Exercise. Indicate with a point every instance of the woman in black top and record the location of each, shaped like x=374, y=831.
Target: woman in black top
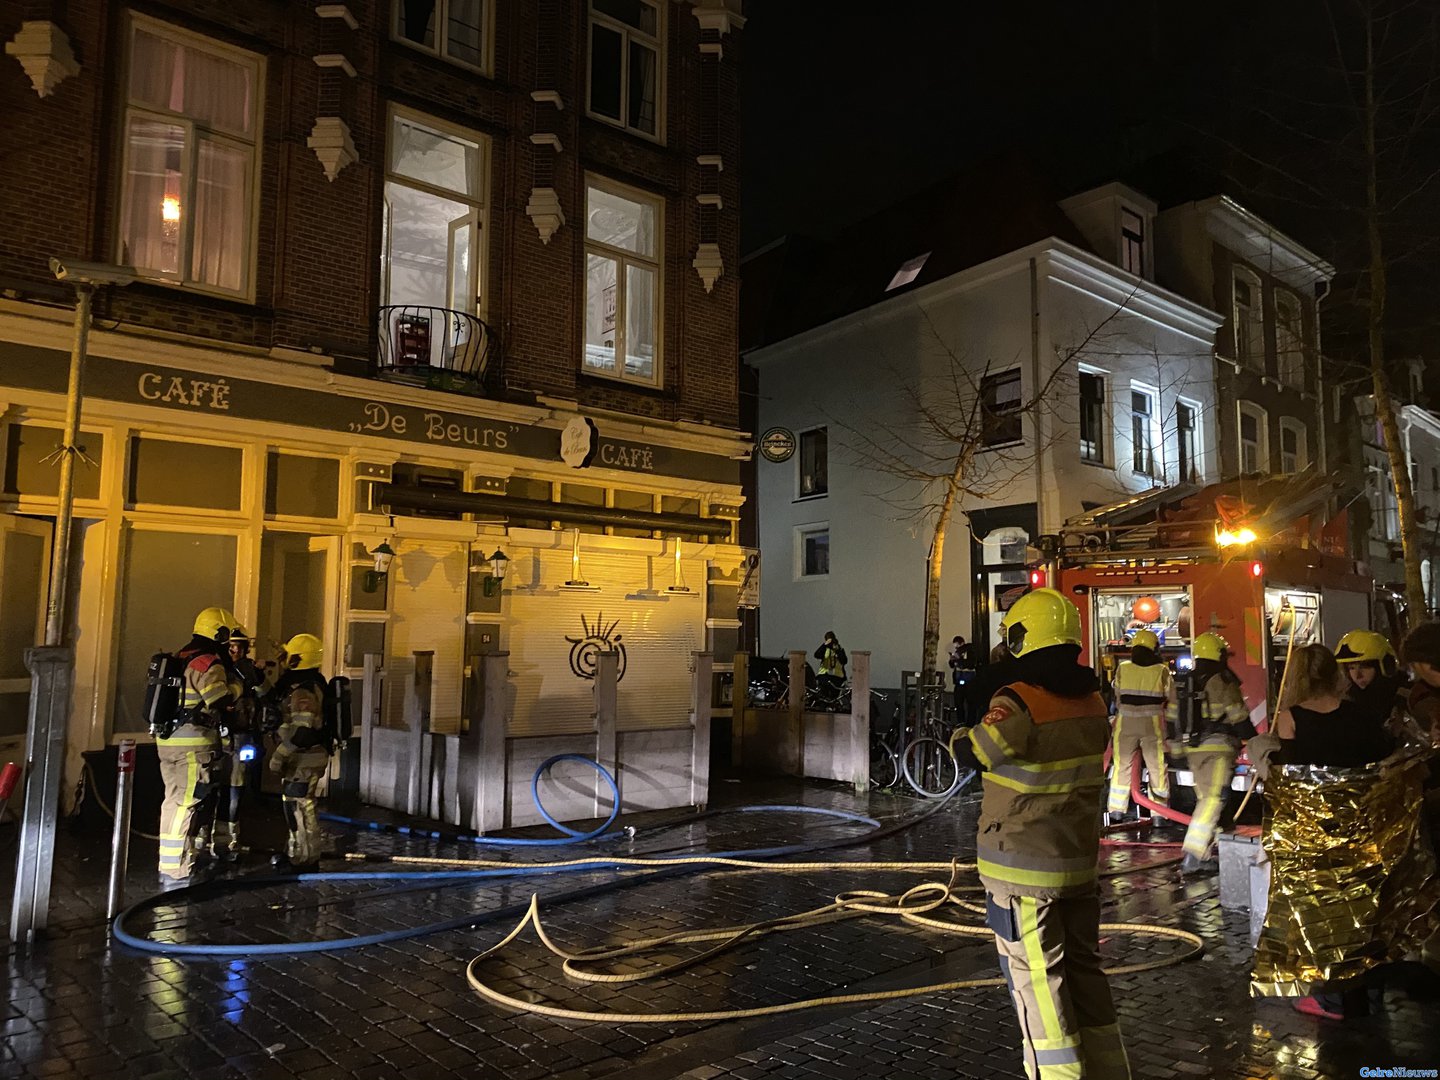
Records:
x=1322, y=728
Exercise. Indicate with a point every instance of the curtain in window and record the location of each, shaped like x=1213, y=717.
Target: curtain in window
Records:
x=221, y=214
x=207, y=88
x=151, y=211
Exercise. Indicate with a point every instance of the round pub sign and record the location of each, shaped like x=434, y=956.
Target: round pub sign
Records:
x=777, y=444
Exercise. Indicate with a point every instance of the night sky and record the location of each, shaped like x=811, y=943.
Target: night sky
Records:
x=846, y=109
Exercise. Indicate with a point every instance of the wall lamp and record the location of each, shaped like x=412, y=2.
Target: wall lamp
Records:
x=496, y=578
x=384, y=556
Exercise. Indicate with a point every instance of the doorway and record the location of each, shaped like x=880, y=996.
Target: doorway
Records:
x=24, y=579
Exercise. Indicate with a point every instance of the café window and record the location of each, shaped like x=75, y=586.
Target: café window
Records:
x=622, y=282
x=456, y=30
x=1000, y=408
x=191, y=151
x=627, y=63
x=814, y=463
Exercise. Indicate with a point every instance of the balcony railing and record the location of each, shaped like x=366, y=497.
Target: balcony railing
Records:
x=433, y=345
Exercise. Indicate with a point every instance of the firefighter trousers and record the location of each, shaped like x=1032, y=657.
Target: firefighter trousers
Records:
x=230, y=777
x=1213, y=765
x=1050, y=955
x=187, y=762
x=299, y=776
x=1146, y=735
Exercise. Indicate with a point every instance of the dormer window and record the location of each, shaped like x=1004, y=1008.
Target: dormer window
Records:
x=1132, y=242
x=908, y=272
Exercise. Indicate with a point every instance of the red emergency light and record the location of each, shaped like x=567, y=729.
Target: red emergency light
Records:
x=1257, y=569
x=1037, y=579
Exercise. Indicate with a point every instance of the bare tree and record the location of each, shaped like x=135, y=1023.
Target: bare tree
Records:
x=1351, y=145
x=963, y=440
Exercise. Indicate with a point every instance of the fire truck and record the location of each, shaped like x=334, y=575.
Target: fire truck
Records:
x=1259, y=562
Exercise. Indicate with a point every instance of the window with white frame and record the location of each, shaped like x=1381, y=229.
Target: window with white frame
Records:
x=1294, y=453
x=1187, y=440
x=1092, y=417
x=627, y=61
x=623, y=228
x=1248, y=317
x=1001, y=408
x=1143, y=416
x=1254, y=439
x=191, y=159
x=812, y=552
x=1132, y=242
x=1289, y=340
x=814, y=459
x=456, y=30
x=432, y=252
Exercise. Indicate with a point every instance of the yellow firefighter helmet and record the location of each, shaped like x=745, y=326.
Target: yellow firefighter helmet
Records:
x=217, y=624
x=1209, y=646
x=1368, y=647
x=1145, y=639
x=1038, y=620
x=303, y=652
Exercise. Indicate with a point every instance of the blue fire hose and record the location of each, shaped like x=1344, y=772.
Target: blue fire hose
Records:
x=445, y=878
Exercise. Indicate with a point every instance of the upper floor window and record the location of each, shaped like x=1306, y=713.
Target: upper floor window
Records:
x=1000, y=407
x=1132, y=242
x=1142, y=430
x=1249, y=321
x=627, y=63
x=623, y=229
x=814, y=463
x=454, y=29
x=1289, y=341
x=1254, y=439
x=191, y=156
x=1187, y=442
x=1294, y=454
x=1092, y=417
x=432, y=254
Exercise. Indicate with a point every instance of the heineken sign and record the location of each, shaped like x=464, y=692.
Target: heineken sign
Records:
x=778, y=444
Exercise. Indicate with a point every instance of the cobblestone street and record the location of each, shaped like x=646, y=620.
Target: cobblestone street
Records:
x=78, y=1005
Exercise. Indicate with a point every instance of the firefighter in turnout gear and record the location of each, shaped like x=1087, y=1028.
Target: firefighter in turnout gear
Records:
x=189, y=750
x=1218, y=722
x=1042, y=746
x=1143, y=690
x=239, y=747
x=303, y=752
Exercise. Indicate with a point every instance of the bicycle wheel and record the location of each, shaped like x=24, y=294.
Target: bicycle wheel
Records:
x=930, y=768
x=884, y=768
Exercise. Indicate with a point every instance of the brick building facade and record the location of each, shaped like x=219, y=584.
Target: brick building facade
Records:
x=381, y=247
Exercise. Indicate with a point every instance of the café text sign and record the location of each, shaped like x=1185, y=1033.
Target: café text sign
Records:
x=324, y=410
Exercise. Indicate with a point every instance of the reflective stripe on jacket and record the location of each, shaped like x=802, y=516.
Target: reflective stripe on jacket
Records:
x=1040, y=816
x=1143, y=692
x=1222, y=712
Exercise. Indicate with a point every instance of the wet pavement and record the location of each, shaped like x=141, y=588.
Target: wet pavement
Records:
x=78, y=1005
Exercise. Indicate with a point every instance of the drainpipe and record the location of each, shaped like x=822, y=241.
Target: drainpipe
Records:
x=1035, y=384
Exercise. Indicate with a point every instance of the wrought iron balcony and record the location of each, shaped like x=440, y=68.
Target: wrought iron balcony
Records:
x=434, y=346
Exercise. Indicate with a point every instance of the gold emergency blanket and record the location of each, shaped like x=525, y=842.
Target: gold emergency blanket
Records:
x=1353, y=881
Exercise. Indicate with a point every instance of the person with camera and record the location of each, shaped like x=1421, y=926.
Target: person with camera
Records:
x=833, y=659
